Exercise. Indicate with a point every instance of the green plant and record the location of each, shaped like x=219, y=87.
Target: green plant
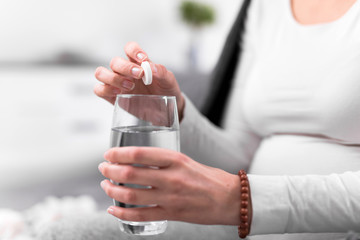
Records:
x=197, y=14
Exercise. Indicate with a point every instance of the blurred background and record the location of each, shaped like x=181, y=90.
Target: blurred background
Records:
x=53, y=130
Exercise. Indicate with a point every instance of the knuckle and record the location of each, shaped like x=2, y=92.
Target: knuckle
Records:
x=114, y=80
x=177, y=184
x=128, y=173
x=136, y=154
x=129, y=196
x=127, y=69
x=182, y=158
x=121, y=65
x=178, y=159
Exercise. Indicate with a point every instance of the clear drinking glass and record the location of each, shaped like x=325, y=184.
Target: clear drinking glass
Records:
x=144, y=120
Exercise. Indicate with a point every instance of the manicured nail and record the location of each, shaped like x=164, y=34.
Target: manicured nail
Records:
x=128, y=85
x=140, y=56
x=111, y=210
x=136, y=72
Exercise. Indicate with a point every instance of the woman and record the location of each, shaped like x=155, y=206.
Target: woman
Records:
x=292, y=119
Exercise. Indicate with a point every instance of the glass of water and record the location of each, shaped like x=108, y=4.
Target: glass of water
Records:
x=144, y=120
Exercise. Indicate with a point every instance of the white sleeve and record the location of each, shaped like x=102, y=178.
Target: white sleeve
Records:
x=309, y=203
x=228, y=149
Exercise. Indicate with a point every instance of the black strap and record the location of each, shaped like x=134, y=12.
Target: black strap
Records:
x=223, y=74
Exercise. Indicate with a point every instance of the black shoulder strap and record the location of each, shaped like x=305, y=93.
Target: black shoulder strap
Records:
x=223, y=74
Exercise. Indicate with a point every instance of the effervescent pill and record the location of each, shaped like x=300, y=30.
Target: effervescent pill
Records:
x=147, y=78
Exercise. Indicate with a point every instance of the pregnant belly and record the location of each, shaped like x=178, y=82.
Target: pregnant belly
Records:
x=297, y=154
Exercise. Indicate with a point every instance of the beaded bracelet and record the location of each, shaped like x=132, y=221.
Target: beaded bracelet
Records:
x=245, y=212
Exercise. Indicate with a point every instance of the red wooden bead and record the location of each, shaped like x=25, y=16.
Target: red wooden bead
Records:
x=243, y=226
x=243, y=177
x=244, y=189
x=244, y=183
x=243, y=233
x=244, y=218
x=244, y=211
x=244, y=196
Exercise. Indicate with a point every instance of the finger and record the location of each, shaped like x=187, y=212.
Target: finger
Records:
x=99, y=92
x=108, y=77
x=110, y=99
x=131, y=174
x=142, y=214
x=136, y=196
x=135, y=53
x=106, y=90
x=163, y=75
x=126, y=68
x=149, y=156
x=168, y=81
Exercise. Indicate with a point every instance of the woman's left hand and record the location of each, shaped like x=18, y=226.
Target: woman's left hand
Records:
x=181, y=188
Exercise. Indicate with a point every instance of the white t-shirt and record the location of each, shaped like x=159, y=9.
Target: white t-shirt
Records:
x=293, y=119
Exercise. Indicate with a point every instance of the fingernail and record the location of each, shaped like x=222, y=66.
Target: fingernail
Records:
x=100, y=167
x=111, y=210
x=102, y=184
x=140, y=56
x=136, y=72
x=128, y=85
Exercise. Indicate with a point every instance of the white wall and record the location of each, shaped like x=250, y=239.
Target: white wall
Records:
x=40, y=29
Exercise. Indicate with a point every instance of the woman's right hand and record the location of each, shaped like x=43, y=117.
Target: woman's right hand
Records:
x=126, y=75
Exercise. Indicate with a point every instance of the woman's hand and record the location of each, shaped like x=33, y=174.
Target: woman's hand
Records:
x=125, y=77
x=181, y=189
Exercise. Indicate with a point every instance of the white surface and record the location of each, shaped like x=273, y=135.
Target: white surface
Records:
x=28, y=224
x=51, y=124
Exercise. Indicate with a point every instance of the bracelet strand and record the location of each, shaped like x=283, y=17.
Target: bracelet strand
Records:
x=245, y=198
